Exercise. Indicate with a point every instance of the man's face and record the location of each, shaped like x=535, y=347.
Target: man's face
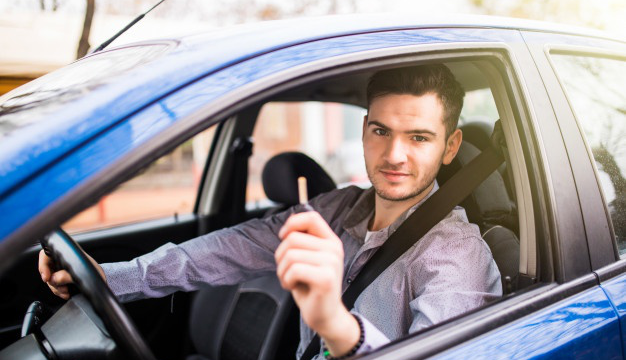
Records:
x=404, y=142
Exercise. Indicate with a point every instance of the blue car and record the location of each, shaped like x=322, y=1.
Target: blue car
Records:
x=161, y=141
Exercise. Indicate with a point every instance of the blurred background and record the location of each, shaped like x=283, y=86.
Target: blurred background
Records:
x=38, y=36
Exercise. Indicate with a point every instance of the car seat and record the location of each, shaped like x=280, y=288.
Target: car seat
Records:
x=245, y=322
x=490, y=207
x=281, y=172
x=478, y=133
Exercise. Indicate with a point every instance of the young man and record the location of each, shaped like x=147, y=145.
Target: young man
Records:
x=408, y=133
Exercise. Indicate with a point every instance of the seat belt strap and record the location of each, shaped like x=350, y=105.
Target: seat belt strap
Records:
x=424, y=218
x=241, y=150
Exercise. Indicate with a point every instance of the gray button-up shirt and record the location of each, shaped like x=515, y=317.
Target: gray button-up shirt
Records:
x=448, y=272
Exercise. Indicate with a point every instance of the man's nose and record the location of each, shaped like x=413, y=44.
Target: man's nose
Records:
x=395, y=152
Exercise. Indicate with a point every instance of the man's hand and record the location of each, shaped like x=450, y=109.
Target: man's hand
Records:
x=310, y=265
x=58, y=280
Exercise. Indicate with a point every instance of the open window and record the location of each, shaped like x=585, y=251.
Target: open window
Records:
x=323, y=120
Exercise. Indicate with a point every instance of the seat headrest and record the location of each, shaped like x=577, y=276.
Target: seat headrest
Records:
x=490, y=200
x=478, y=133
x=280, y=177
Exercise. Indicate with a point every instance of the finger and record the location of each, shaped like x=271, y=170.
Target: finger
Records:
x=294, y=256
x=310, y=222
x=44, y=266
x=295, y=275
x=60, y=291
x=61, y=277
x=313, y=277
x=298, y=240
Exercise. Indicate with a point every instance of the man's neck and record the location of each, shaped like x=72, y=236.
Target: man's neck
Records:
x=388, y=211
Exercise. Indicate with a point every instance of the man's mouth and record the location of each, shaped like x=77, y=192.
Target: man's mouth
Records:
x=394, y=176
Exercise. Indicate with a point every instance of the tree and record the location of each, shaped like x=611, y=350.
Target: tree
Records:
x=83, y=43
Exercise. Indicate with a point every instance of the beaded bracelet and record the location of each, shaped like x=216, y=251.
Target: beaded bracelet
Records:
x=352, y=351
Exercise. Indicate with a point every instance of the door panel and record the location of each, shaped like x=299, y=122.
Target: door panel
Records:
x=584, y=326
x=615, y=290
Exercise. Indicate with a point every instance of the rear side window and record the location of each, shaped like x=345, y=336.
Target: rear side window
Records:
x=595, y=89
x=166, y=188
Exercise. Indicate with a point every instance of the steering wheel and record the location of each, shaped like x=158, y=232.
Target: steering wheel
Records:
x=69, y=255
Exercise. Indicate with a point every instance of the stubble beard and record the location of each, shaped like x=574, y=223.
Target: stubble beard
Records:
x=429, y=178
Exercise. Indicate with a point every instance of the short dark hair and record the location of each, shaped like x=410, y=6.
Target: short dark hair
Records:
x=420, y=80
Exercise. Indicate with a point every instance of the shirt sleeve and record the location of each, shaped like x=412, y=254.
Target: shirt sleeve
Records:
x=224, y=257
x=448, y=285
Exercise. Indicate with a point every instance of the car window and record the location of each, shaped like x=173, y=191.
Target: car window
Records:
x=594, y=87
x=295, y=126
x=168, y=187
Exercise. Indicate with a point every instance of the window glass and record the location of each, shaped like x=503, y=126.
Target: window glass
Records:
x=329, y=133
x=166, y=188
x=479, y=106
x=595, y=90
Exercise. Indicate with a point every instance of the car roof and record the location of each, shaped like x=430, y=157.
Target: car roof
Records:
x=52, y=115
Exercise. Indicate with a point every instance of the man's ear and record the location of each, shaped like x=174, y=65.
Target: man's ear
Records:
x=452, y=146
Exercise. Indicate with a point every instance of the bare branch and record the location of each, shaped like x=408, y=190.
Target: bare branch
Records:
x=83, y=43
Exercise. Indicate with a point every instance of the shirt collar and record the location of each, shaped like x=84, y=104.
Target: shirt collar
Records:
x=358, y=217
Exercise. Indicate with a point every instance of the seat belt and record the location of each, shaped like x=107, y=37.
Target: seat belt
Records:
x=424, y=218
x=241, y=150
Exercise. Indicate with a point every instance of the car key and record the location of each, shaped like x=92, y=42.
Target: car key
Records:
x=303, y=196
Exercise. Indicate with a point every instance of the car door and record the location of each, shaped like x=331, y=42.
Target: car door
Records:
x=487, y=51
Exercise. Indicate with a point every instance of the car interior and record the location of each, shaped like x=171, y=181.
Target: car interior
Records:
x=258, y=319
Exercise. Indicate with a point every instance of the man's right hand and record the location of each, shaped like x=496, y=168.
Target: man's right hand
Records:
x=58, y=280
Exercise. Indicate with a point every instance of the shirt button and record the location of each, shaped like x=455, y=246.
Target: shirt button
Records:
x=349, y=281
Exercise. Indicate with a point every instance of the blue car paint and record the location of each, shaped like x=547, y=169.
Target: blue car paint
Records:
x=27, y=200
x=584, y=326
x=615, y=290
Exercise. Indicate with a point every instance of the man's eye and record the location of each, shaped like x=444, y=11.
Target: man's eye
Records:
x=418, y=138
x=380, y=132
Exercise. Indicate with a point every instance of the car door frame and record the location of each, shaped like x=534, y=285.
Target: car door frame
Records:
x=499, y=314
x=596, y=219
